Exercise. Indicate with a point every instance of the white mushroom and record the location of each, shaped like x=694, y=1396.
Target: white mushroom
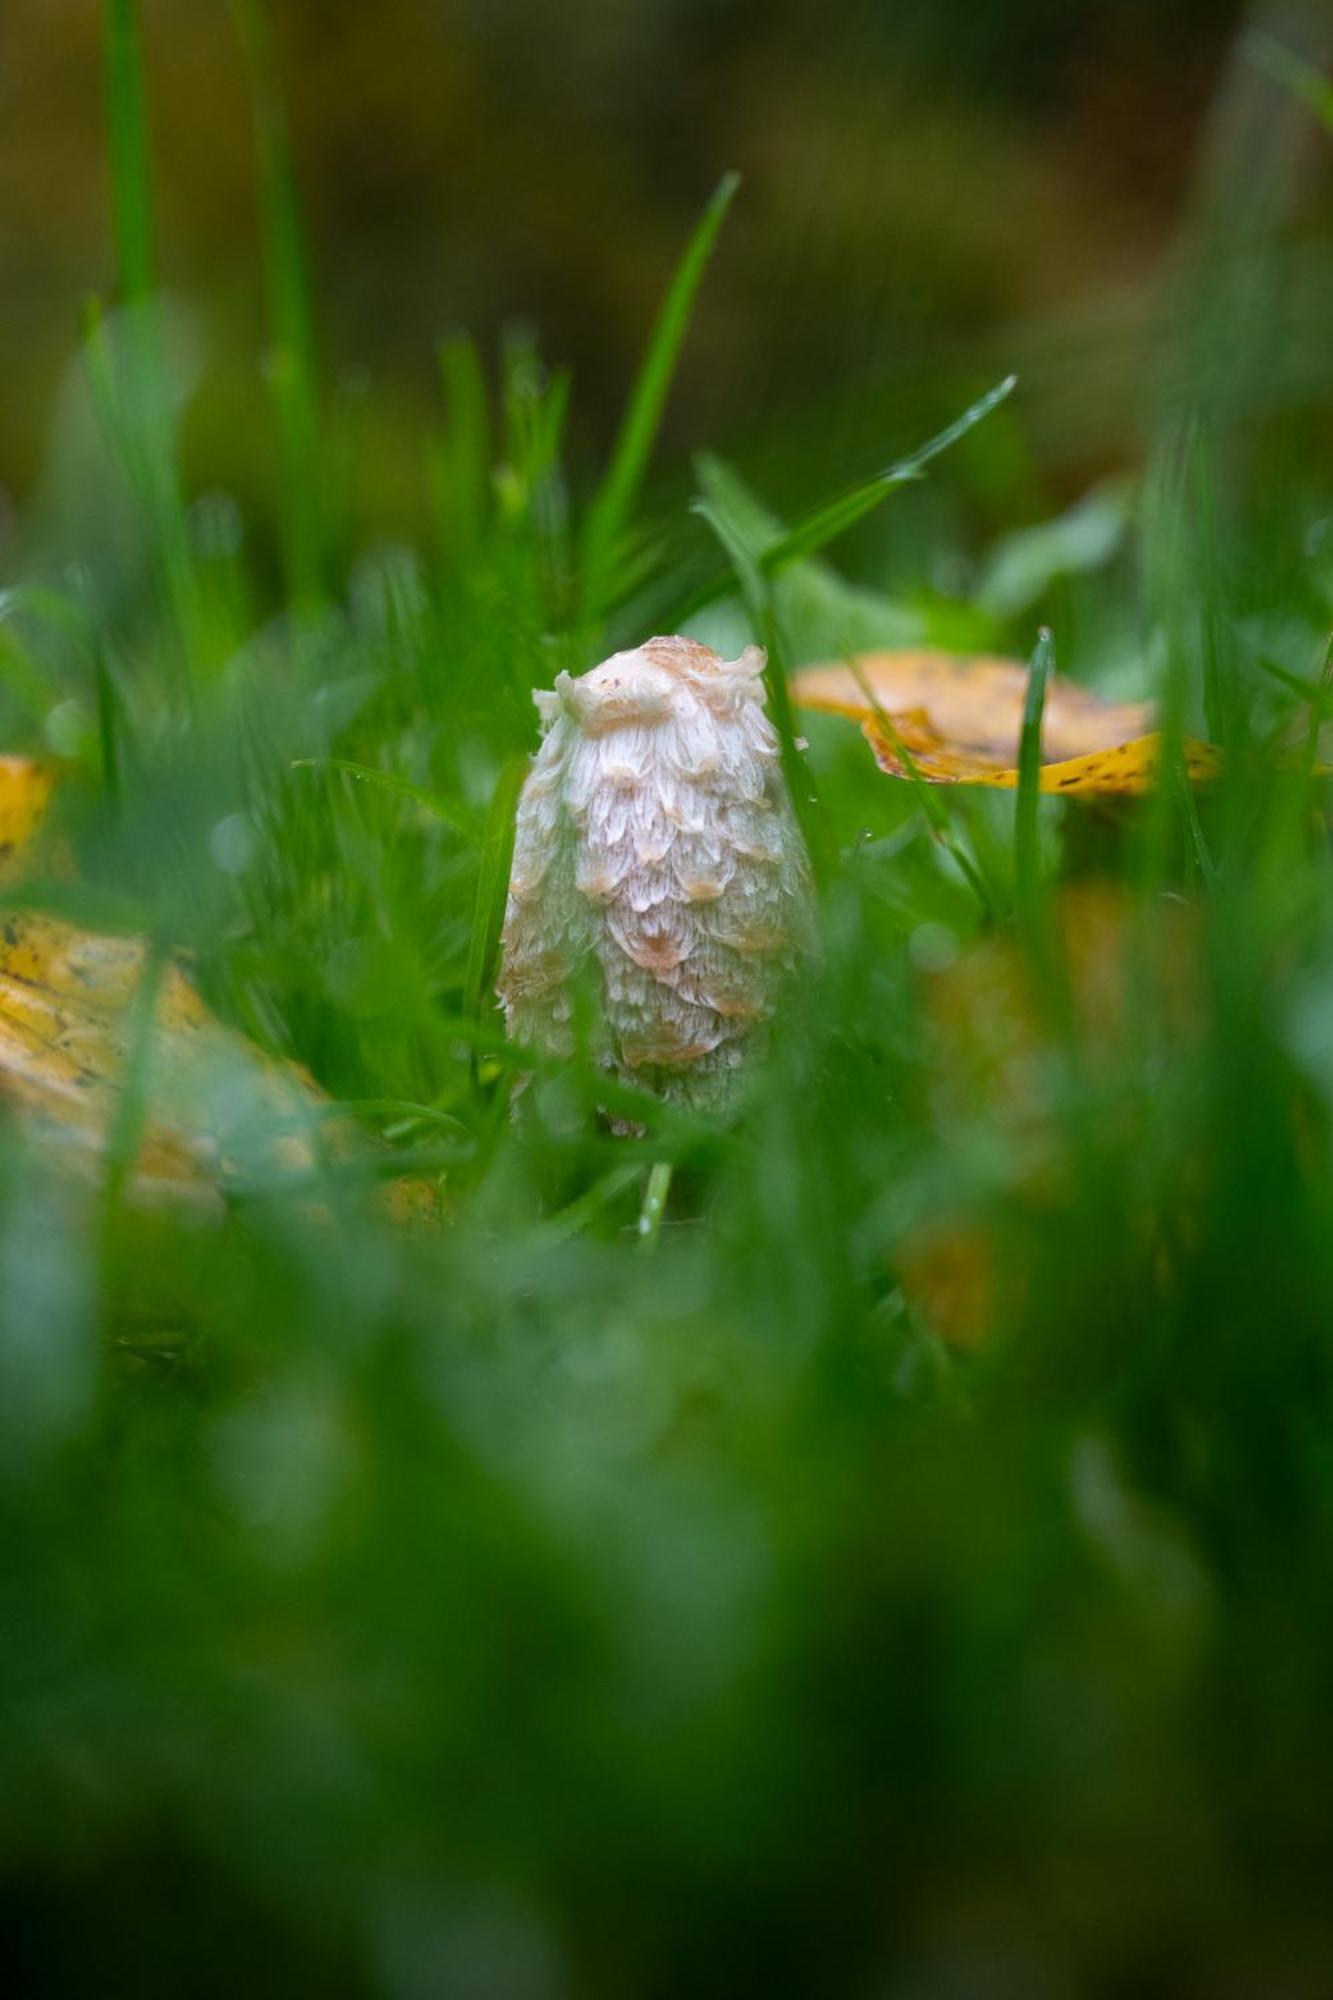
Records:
x=656, y=848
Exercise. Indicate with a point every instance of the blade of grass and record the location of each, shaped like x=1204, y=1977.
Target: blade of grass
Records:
x=668, y=1124
x=1027, y=857
x=333, y=1178
x=1300, y=77
x=1168, y=573
x=831, y=518
x=492, y=886
x=758, y=596
x=127, y=136
x=654, y=1204
x=131, y=406
x=389, y=781
x=37, y=694
x=131, y=1114
x=571, y=1221
x=613, y=503
x=933, y=808
x=34, y=684
x=108, y=724
x=33, y=693
x=401, y=1110
x=1316, y=693
x=291, y=363
x=141, y=428
x=1319, y=703
x=823, y=524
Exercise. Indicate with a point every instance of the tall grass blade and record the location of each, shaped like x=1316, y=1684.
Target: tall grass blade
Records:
x=128, y=149
x=612, y=505
x=492, y=887
x=934, y=811
x=35, y=685
x=130, y=399
x=143, y=426
x=1027, y=869
x=108, y=724
x=758, y=596
x=389, y=781
x=1300, y=77
x=1319, y=706
x=831, y=518
x=825, y=523
x=132, y=1105
x=655, y=1197
x=293, y=374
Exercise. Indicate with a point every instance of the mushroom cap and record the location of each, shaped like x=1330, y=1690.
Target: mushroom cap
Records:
x=644, y=684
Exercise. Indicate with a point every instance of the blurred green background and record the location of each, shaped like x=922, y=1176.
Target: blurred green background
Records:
x=909, y=1579
x=930, y=185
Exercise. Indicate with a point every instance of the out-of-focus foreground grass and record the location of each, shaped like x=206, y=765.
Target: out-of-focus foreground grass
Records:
x=910, y=1576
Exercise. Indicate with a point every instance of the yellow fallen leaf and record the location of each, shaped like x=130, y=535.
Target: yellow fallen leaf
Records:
x=948, y=1271
x=959, y=718
x=221, y=1114
x=220, y=1109
x=68, y=1111
x=25, y=793
x=1124, y=768
x=995, y=1063
x=989, y=1031
x=973, y=701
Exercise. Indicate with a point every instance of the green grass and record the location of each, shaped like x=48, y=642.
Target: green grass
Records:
x=499, y=1609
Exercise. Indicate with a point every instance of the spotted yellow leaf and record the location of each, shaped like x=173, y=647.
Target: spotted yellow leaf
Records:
x=907, y=744
x=955, y=719
x=221, y=1115
x=25, y=793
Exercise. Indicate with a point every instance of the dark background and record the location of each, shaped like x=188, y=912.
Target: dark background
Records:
x=926, y=182
x=494, y=1611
